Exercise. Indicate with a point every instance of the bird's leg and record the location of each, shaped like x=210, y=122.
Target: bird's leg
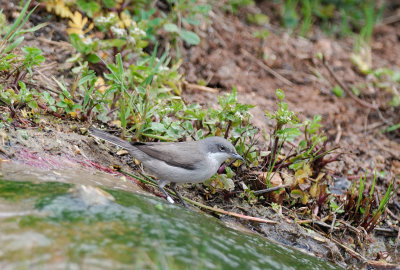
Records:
x=173, y=187
x=161, y=185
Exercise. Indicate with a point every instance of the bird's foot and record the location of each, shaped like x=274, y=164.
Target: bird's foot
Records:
x=170, y=200
x=173, y=187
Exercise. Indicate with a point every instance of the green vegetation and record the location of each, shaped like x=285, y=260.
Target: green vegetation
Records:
x=334, y=16
x=363, y=209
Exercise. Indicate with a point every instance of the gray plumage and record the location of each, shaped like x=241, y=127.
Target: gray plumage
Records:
x=177, y=162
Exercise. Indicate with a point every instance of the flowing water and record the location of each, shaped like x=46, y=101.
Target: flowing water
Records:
x=49, y=220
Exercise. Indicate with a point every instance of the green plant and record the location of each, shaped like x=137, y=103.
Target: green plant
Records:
x=186, y=14
x=290, y=16
x=233, y=6
x=14, y=91
x=283, y=116
x=362, y=208
x=33, y=57
x=12, y=39
x=128, y=29
x=17, y=100
x=303, y=164
x=342, y=17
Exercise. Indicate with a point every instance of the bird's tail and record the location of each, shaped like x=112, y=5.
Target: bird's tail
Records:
x=110, y=138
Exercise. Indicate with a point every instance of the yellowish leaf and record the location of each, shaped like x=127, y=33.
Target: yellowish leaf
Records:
x=24, y=113
x=314, y=190
x=303, y=173
x=122, y=152
x=296, y=193
x=125, y=20
x=304, y=184
x=59, y=8
x=287, y=176
x=218, y=132
x=276, y=180
x=100, y=85
x=77, y=24
x=304, y=199
x=116, y=123
x=319, y=177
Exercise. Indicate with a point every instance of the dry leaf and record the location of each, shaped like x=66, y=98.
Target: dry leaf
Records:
x=77, y=24
x=314, y=190
x=59, y=8
x=100, y=85
x=304, y=184
x=122, y=152
x=125, y=20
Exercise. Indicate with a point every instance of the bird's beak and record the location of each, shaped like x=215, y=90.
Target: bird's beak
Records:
x=237, y=156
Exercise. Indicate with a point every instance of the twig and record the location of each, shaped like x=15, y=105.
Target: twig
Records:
x=392, y=214
x=221, y=211
x=345, y=88
x=397, y=240
x=339, y=134
x=201, y=87
x=351, y=227
x=332, y=225
x=267, y=190
x=320, y=222
x=350, y=251
x=381, y=265
x=228, y=129
x=387, y=231
x=44, y=107
x=56, y=43
x=397, y=204
x=390, y=20
x=267, y=68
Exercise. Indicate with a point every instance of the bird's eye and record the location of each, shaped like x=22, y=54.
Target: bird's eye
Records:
x=221, y=148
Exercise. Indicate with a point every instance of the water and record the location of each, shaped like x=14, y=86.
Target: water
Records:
x=55, y=225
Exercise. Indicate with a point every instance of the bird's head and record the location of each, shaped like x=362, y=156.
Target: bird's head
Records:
x=220, y=149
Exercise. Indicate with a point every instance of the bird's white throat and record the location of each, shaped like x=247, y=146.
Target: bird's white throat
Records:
x=216, y=159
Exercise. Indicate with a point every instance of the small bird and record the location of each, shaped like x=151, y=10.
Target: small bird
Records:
x=177, y=162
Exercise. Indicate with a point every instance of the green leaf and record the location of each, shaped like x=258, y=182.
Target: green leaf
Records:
x=189, y=37
x=78, y=44
x=17, y=25
x=157, y=127
x=89, y=7
x=338, y=91
x=289, y=134
x=171, y=27
x=48, y=98
x=154, y=22
x=108, y=3
x=393, y=128
x=280, y=94
x=14, y=44
x=191, y=21
x=258, y=19
x=33, y=104
x=33, y=29
x=93, y=58
x=113, y=43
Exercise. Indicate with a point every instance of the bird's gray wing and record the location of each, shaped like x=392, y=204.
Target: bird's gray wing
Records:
x=184, y=158
x=183, y=154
